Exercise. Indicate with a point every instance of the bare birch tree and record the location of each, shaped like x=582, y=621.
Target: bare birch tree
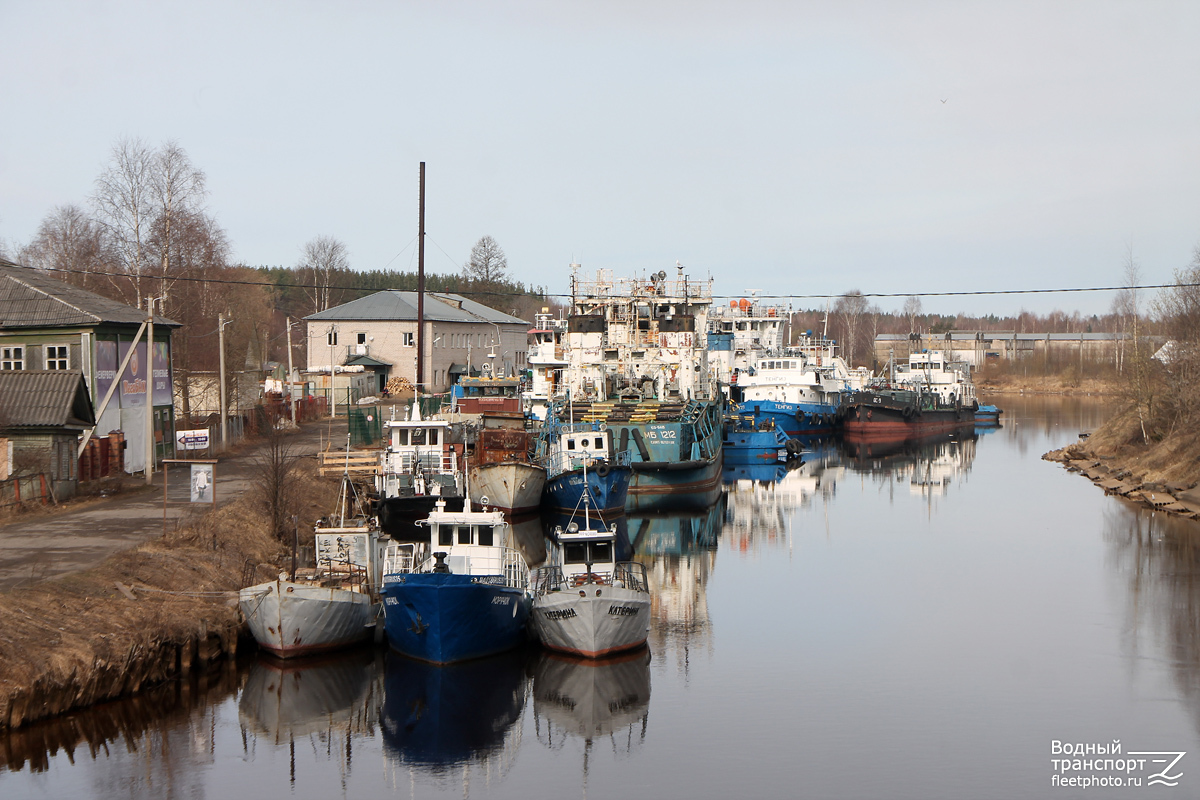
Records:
x=324, y=257
x=124, y=208
x=849, y=310
x=72, y=244
x=177, y=187
x=912, y=310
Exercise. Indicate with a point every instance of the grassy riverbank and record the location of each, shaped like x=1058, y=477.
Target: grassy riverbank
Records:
x=80, y=639
x=1120, y=444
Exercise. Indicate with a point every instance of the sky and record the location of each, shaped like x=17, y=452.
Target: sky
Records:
x=793, y=148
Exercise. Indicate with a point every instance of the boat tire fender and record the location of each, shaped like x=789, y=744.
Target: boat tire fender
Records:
x=793, y=447
x=603, y=470
x=908, y=412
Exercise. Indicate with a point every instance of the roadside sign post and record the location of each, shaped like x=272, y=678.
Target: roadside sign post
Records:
x=202, y=483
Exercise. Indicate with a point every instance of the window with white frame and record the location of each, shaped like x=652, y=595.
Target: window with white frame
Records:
x=362, y=338
x=407, y=339
x=12, y=358
x=331, y=338
x=58, y=356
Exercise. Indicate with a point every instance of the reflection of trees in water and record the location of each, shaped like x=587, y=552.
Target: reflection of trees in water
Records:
x=153, y=745
x=1159, y=556
x=1029, y=420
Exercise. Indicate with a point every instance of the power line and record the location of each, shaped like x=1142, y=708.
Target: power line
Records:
x=485, y=293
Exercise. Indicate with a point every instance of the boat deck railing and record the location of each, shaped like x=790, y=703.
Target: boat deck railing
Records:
x=408, y=461
x=401, y=557
x=626, y=574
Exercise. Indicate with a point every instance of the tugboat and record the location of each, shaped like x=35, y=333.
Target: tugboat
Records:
x=462, y=597
x=582, y=465
x=586, y=603
x=419, y=466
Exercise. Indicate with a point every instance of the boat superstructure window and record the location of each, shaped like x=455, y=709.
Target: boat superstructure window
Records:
x=445, y=535
x=486, y=536
x=464, y=534
x=583, y=552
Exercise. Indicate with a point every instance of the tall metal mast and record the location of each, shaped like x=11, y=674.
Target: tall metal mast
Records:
x=421, y=287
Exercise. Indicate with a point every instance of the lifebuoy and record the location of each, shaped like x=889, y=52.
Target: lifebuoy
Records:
x=603, y=470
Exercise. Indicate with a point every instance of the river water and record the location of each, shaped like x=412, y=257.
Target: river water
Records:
x=921, y=623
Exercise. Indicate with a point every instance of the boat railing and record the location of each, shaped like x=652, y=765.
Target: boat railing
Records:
x=546, y=579
x=565, y=461
x=503, y=561
x=401, y=557
x=633, y=575
x=407, y=461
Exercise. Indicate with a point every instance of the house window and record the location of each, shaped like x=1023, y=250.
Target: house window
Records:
x=57, y=357
x=407, y=339
x=12, y=358
x=331, y=337
x=362, y=338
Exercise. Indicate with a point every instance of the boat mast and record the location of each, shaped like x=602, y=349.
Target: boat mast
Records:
x=421, y=287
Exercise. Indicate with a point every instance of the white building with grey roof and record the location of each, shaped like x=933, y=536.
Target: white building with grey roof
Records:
x=379, y=333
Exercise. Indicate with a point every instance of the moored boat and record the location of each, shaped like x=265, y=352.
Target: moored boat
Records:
x=502, y=475
x=462, y=597
x=988, y=415
x=928, y=395
x=638, y=365
x=419, y=466
x=586, y=602
x=328, y=607
x=748, y=442
x=581, y=465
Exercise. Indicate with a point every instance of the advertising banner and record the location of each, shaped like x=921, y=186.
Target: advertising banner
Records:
x=134, y=380
x=106, y=367
x=162, y=375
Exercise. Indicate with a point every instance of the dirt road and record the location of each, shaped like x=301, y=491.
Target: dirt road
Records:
x=41, y=546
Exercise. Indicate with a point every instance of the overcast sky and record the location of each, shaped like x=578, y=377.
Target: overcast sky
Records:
x=795, y=148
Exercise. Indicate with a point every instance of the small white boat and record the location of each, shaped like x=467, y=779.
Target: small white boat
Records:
x=586, y=603
x=332, y=605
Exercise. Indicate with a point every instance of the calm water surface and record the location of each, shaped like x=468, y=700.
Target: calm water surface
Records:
x=914, y=623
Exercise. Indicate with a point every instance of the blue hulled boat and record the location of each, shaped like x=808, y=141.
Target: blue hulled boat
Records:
x=987, y=415
x=462, y=597
x=748, y=442
x=582, y=455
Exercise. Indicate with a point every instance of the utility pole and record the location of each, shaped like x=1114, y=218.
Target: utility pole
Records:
x=421, y=287
x=224, y=409
x=149, y=390
x=332, y=372
x=291, y=400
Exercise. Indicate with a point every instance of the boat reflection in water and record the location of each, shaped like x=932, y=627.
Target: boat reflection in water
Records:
x=759, y=503
x=459, y=715
x=928, y=465
x=679, y=550
x=323, y=696
x=606, y=698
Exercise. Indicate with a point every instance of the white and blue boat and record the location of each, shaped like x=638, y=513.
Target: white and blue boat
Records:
x=802, y=391
x=580, y=460
x=463, y=596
